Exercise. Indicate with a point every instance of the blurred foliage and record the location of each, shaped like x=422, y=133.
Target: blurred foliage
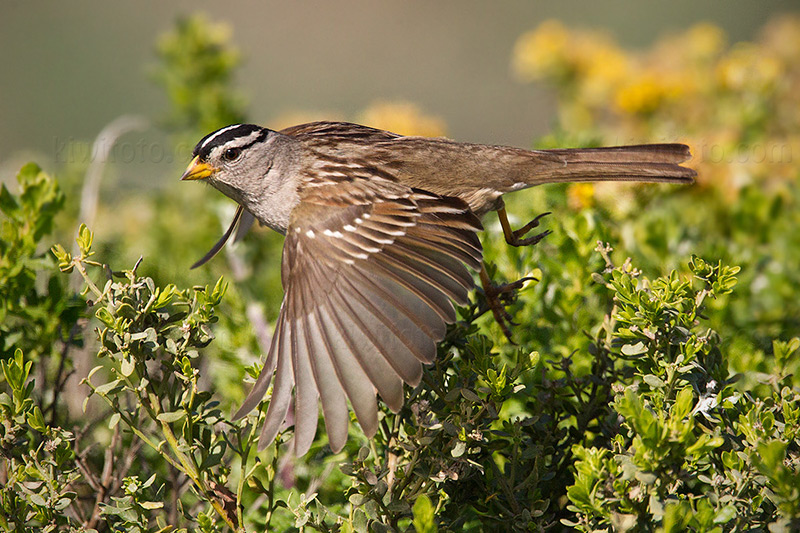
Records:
x=28, y=303
x=196, y=68
x=653, y=387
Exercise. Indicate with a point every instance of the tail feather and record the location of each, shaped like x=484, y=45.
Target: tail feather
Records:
x=657, y=163
x=638, y=153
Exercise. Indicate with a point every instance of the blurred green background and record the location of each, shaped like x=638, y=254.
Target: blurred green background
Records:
x=69, y=68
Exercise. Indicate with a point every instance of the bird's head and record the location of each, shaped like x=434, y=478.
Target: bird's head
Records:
x=251, y=165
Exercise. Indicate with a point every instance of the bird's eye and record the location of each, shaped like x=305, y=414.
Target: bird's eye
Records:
x=231, y=154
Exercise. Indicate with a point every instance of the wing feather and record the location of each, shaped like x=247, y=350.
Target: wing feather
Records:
x=332, y=396
x=282, y=390
x=391, y=355
x=306, y=408
x=354, y=380
x=440, y=262
x=396, y=296
x=391, y=258
x=370, y=285
x=358, y=320
x=429, y=294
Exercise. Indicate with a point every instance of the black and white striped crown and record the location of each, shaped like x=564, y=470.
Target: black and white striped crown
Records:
x=235, y=136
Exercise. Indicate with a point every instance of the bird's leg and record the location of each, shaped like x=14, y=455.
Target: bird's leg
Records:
x=515, y=237
x=499, y=296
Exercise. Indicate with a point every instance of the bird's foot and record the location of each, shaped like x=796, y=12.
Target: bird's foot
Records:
x=515, y=237
x=499, y=297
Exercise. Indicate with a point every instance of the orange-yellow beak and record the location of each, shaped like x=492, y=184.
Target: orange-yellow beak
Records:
x=198, y=170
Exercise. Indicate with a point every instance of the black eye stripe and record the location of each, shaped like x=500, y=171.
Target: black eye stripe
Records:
x=259, y=138
x=225, y=135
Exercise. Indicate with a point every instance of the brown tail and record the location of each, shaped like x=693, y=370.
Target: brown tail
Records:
x=647, y=162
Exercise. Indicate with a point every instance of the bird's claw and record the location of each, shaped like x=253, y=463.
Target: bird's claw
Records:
x=515, y=238
x=498, y=297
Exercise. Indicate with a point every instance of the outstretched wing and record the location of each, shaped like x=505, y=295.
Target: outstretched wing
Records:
x=368, y=287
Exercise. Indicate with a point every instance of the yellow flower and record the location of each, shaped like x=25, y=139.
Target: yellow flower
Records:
x=748, y=67
x=580, y=196
x=602, y=65
x=781, y=35
x=704, y=41
x=404, y=118
x=541, y=52
x=642, y=95
x=740, y=105
x=588, y=62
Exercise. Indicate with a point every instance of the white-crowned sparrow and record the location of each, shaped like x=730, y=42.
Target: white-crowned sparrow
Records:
x=380, y=229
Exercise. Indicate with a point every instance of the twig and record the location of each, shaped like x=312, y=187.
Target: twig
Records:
x=59, y=382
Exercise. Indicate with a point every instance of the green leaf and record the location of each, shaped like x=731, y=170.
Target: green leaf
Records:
x=152, y=505
x=783, y=350
x=634, y=349
x=36, y=420
x=725, y=515
x=28, y=173
x=171, y=417
x=37, y=499
x=423, y=515
x=772, y=455
x=84, y=240
x=470, y=395
x=149, y=481
x=219, y=291
x=63, y=257
x=165, y=296
x=127, y=366
x=62, y=504
x=108, y=388
x=8, y=204
x=683, y=403
x=126, y=310
x=459, y=449
x=105, y=316
x=677, y=517
x=16, y=371
x=93, y=371
x=654, y=381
